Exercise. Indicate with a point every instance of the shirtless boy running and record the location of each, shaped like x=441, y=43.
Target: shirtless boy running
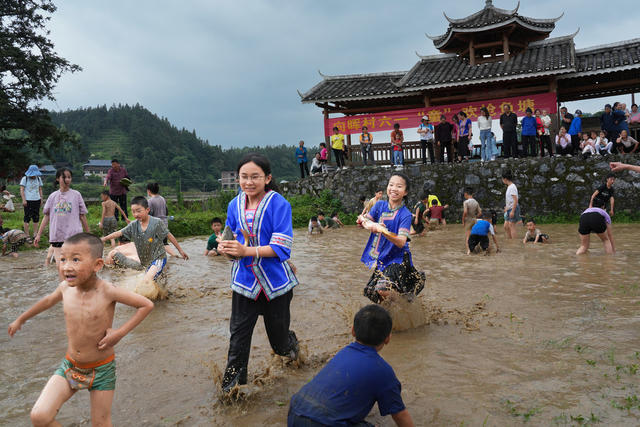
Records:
x=89, y=304
x=108, y=222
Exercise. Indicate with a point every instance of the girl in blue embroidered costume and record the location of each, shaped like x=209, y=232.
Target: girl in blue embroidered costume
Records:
x=261, y=278
x=387, y=250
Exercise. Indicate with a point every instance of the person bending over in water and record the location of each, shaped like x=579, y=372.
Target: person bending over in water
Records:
x=345, y=390
x=89, y=304
x=480, y=233
x=147, y=233
x=387, y=250
x=595, y=220
x=534, y=235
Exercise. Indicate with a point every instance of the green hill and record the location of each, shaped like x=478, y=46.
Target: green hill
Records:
x=153, y=149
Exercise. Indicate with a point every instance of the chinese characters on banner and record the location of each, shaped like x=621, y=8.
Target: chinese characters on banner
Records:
x=411, y=118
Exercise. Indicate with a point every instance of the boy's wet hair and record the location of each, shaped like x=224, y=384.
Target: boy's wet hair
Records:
x=320, y=213
x=611, y=175
x=469, y=191
x=531, y=220
x=216, y=220
x=372, y=325
x=140, y=201
x=105, y=192
x=507, y=175
x=95, y=244
x=434, y=202
x=314, y=218
x=363, y=198
x=334, y=213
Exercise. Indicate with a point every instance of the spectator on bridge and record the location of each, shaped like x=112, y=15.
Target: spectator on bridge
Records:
x=324, y=154
x=626, y=144
x=397, y=138
x=117, y=191
x=607, y=124
x=603, y=145
x=366, y=141
x=563, y=143
x=529, y=132
x=634, y=116
x=508, y=123
x=301, y=156
x=443, y=139
x=588, y=146
x=565, y=118
x=337, y=145
x=316, y=164
x=464, y=136
x=619, y=120
x=543, y=123
x=426, y=139
x=484, y=124
x=493, y=144
x=455, y=133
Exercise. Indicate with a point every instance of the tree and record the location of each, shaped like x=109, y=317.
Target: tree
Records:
x=29, y=71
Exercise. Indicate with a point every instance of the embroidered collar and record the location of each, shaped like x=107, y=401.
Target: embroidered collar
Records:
x=393, y=210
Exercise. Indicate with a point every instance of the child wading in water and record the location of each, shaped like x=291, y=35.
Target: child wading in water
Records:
x=89, y=304
x=534, y=235
x=108, y=222
x=387, y=250
x=261, y=278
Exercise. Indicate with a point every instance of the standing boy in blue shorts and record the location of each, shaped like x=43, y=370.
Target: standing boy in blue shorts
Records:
x=345, y=390
x=89, y=304
x=147, y=233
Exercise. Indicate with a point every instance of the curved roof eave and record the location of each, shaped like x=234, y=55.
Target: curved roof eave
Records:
x=578, y=74
x=364, y=97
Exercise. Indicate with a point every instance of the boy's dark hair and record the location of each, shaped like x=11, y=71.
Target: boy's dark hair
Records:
x=114, y=161
x=216, y=220
x=531, y=219
x=611, y=175
x=322, y=144
x=153, y=187
x=362, y=198
x=314, y=218
x=140, y=201
x=507, y=175
x=94, y=242
x=105, y=192
x=469, y=191
x=334, y=213
x=379, y=190
x=320, y=213
x=372, y=325
x=335, y=128
x=396, y=125
x=434, y=202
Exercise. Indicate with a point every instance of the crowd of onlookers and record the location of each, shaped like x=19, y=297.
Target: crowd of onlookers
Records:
x=451, y=140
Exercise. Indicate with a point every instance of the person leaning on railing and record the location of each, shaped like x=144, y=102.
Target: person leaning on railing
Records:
x=366, y=140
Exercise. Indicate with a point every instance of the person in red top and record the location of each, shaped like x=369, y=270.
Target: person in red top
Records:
x=436, y=215
x=397, y=138
x=117, y=191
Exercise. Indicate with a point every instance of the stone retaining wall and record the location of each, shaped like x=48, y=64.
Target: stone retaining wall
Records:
x=550, y=185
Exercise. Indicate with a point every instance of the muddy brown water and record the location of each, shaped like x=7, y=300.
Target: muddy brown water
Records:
x=531, y=335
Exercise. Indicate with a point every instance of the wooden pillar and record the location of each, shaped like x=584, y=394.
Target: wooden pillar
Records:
x=505, y=46
x=427, y=101
x=349, y=149
x=472, y=53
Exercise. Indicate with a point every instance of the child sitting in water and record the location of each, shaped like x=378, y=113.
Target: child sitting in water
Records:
x=345, y=390
x=147, y=233
x=480, y=235
x=336, y=220
x=89, y=305
x=108, y=222
x=534, y=235
x=314, y=225
x=15, y=238
x=212, y=243
x=324, y=223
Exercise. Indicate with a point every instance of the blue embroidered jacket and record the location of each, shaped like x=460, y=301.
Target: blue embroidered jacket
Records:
x=271, y=226
x=380, y=252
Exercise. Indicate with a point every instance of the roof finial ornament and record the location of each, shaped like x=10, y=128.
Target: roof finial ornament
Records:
x=488, y=3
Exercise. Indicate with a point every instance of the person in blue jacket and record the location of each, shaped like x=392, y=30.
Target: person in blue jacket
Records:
x=261, y=278
x=575, y=130
x=607, y=122
x=301, y=156
x=529, y=133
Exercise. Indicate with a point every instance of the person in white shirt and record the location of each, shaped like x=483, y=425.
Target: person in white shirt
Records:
x=426, y=140
x=544, y=133
x=316, y=165
x=484, y=124
x=512, y=205
x=563, y=143
x=603, y=145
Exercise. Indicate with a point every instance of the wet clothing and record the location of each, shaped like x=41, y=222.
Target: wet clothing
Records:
x=271, y=225
x=212, y=243
x=531, y=237
x=14, y=239
x=604, y=196
x=473, y=208
x=380, y=252
x=32, y=211
x=158, y=208
x=436, y=212
x=345, y=390
x=64, y=210
x=149, y=242
x=479, y=234
x=90, y=376
x=109, y=225
x=421, y=208
x=593, y=220
x=477, y=239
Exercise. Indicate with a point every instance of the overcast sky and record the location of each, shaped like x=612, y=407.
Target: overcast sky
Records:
x=230, y=70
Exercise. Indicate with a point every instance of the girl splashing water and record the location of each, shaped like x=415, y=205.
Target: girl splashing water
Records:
x=387, y=250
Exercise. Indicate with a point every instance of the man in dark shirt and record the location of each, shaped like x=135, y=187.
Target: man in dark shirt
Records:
x=606, y=121
x=443, y=139
x=565, y=118
x=508, y=123
x=604, y=194
x=117, y=191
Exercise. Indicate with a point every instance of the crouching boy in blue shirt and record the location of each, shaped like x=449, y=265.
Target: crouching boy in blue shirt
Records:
x=344, y=391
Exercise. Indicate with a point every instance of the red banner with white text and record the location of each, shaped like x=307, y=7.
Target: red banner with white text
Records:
x=411, y=118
